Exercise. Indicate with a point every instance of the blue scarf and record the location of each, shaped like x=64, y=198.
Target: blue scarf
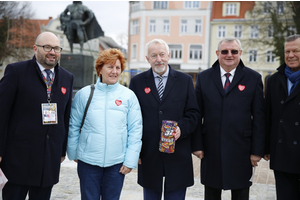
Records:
x=294, y=77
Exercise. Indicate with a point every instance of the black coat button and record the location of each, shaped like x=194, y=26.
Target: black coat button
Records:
x=282, y=102
x=296, y=123
x=295, y=142
x=280, y=140
x=160, y=112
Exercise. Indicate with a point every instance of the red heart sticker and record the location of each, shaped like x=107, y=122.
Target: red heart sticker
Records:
x=241, y=87
x=63, y=90
x=118, y=102
x=147, y=90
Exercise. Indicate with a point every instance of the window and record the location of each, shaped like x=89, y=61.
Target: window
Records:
x=270, y=32
x=270, y=57
x=160, y=4
x=183, y=26
x=135, y=6
x=134, y=51
x=253, y=31
x=198, y=27
x=231, y=9
x=221, y=31
x=152, y=26
x=280, y=7
x=135, y=27
x=176, y=51
x=191, y=4
x=196, y=52
x=238, y=31
x=252, y=56
x=267, y=6
x=166, y=26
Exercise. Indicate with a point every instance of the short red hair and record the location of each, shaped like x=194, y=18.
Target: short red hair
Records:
x=109, y=56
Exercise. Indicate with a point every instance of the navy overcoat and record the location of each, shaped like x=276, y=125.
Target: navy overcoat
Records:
x=283, y=124
x=31, y=152
x=178, y=104
x=233, y=126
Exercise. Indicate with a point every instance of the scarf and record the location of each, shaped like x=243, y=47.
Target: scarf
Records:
x=294, y=77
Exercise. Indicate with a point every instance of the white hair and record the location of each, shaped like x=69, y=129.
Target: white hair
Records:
x=160, y=41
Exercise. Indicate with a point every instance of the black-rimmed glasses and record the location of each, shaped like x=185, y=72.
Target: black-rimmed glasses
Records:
x=225, y=52
x=48, y=48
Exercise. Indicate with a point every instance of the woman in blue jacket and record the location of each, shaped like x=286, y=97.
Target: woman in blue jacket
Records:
x=109, y=143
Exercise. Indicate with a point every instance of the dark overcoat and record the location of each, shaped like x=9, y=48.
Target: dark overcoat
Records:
x=233, y=126
x=31, y=152
x=178, y=104
x=283, y=124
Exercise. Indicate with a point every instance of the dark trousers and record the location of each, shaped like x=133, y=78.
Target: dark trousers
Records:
x=150, y=194
x=96, y=181
x=287, y=185
x=19, y=192
x=215, y=194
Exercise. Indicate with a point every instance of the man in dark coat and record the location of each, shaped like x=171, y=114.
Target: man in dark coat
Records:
x=230, y=139
x=283, y=122
x=178, y=103
x=34, y=119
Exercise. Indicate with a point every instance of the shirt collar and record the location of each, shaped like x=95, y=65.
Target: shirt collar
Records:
x=223, y=72
x=43, y=68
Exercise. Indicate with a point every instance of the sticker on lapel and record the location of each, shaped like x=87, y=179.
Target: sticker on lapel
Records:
x=63, y=90
x=118, y=102
x=241, y=87
x=147, y=90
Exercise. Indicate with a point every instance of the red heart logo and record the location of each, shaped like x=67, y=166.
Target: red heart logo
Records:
x=241, y=87
x=147, y=90
x=63, y=90
x=118, y=102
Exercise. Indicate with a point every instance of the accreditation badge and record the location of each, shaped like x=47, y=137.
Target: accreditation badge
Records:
x=49, y=113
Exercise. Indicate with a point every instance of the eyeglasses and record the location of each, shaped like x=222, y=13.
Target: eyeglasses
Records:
x=225, y=52
x=48, y=48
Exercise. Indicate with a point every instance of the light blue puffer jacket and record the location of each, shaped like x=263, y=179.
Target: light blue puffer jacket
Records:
x=112, y=130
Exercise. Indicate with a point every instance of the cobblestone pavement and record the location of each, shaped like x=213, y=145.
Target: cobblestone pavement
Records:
x=263, y=187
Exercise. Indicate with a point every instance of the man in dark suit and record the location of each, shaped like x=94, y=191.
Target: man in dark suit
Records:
x=177, y=103
x=283, y=122
x=35, y=102
x=230, y=138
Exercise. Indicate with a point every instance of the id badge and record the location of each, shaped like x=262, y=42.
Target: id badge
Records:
x=49, y=113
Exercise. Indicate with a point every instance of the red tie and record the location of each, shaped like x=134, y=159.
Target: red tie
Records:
x=227, y=82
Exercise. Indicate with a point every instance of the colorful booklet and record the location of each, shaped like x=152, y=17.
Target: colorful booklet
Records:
x=167, y=139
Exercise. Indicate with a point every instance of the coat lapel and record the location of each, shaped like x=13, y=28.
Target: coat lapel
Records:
x=239, y=73
x=170, y=82
x=216, y=77
x=149, y=78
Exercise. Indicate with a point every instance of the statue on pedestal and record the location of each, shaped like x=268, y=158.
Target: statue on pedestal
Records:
x=79, y=24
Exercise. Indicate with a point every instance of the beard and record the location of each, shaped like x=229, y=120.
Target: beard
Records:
x=160, y=69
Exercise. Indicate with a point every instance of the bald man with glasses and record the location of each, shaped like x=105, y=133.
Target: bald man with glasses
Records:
x=35, y=103
x=230, y=138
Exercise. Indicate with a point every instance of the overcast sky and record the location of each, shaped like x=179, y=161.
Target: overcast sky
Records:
x=111, y=15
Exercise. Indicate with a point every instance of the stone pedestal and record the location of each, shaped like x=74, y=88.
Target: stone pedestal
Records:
x=82, y=66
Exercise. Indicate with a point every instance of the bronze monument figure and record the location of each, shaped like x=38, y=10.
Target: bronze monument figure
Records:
x=79, y=24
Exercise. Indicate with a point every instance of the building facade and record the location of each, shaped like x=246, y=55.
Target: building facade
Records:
x=184, y=25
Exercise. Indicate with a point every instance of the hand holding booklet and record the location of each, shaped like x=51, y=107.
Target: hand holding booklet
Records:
x=3, y=179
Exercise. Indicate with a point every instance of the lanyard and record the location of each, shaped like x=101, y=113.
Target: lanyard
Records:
x=49, y=87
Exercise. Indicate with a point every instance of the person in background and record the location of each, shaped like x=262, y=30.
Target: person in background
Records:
x=283, y=122
x=35, y=103
x=165, y=94
x=109, y=144
x=231, y=134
